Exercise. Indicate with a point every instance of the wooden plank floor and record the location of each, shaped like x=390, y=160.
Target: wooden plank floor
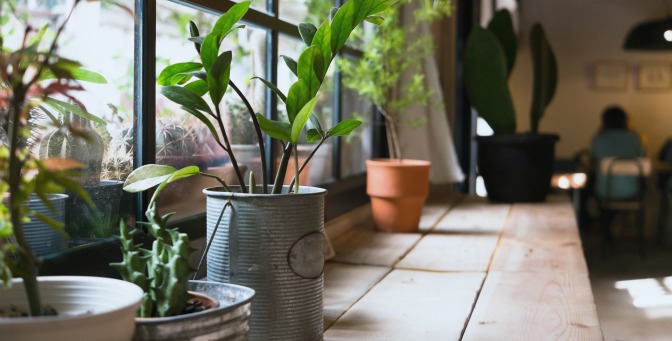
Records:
x=475, y=271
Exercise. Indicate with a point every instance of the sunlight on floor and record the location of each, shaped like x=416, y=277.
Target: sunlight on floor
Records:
x=652, y=295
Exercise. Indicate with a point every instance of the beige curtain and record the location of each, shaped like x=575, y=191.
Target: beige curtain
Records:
x=432, y=141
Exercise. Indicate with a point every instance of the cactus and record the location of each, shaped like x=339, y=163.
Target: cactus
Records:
x=239, y=117
x=163, y=271
x=81, y=143
x=175, y=140
x=545, y=75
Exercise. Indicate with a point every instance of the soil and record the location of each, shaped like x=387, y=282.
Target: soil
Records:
x=14, y=311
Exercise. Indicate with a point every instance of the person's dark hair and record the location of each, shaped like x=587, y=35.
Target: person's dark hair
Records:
x=614, y=118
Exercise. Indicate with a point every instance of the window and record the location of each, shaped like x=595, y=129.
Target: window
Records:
x=131, y=52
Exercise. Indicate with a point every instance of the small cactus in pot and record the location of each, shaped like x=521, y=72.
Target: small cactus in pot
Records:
x=174, y=139
x=81, y=142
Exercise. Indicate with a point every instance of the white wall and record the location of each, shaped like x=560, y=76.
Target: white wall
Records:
x=582, y=32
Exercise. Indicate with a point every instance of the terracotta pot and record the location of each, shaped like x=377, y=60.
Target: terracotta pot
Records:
x=398, y=189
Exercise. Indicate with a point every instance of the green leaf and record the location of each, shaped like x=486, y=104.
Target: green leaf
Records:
x=275, y=129
x=64, y=107
x=313, y=135
x=237, y=27
x=209, y=50
x=316, y=124
x=200, y=75
x=184, y=173
x=332, y=13
x=291, y=64
x=218, y=77
x=181, y=70
x=299, y=94
x=275, y=89
x=197, y=40
x=349, y=16
x=311, y=68
x=88, y=76
x=322, y=39
x=203, y=119
x=344, y=128
x=193, y=31
x=501, y=26
x=70, y=69
x=199, y=87
x=375, y=19
x=186, y=98
x=146, y=177
x=301, y=119
x=307, y=32
x=226, y=21
x=54, y=224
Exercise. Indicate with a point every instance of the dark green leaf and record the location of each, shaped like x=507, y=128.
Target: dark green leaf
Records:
x=209, y=50
x=307, y=32
x=146, y=177
x=332, y=13
x=275, y=89
x=301, y=119
x=197, y=40
x=237, y=27
x=275, y=129
x=193, y=31
x=313, y=135
x=291, y=64
x=167, y=75
x=316, y=124
x=200, y=75
x=64, y=107
x=186, y=98
x=344, y=128
x=322, y=39
x=199, y=87
x=501, y=26
x=311, y=68
x=218, y=77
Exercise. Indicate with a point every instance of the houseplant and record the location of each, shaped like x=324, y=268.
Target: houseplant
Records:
x=30, y=74
x=270, y=237
x=515, y=167
x=168, y=311
x=390, y=75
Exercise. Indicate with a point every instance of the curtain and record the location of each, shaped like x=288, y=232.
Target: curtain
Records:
x=432, y=141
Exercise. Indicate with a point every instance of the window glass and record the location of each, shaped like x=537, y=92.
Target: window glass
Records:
x=356, y=148
x=183, y=140
x=319, y=169
x=100, y=37
x=312, y=11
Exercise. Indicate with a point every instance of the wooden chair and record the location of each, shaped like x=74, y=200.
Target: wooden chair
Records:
x=640, y=168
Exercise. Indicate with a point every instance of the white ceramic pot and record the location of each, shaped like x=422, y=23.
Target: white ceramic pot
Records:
x=90, y=308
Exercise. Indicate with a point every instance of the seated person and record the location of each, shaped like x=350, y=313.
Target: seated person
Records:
x=615, y=140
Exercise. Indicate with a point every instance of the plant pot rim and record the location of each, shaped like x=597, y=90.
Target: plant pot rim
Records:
x=303, y=192
x=523, y=138
x=199, y=314
x=129, y=288
x=398, y=162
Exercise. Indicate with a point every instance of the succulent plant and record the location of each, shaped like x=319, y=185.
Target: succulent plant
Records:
x=175, y=140
x=81, y=142
x=163, y=271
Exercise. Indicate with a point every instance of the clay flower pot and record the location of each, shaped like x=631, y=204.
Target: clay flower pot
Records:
x=398, y=190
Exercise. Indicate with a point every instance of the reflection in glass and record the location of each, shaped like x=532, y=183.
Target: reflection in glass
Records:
x=100, y=37
x=312, y=11
x=356, y=148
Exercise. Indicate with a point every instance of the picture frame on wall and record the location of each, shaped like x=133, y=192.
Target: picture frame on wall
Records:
x=611, y=75
x=654, y=76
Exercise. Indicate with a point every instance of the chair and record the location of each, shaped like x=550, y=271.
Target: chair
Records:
x=611, y=202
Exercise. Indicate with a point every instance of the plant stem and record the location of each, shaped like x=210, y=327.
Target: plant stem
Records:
x=260, y=138
x=305, y=163
x=218, y=179
x=282, y=169
x=392, y=134
x=228, y=150
x=25, y=254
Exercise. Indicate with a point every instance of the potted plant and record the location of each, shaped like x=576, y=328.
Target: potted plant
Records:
x=515, y=167
x=269, y=238
x=30, y=74
x=173, y=307
x=398, y=187
x=84, y=144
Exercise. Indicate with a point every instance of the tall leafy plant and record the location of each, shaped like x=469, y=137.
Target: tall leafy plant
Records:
x=489, y=58
x=188, y=83
x=29, y=76
x=392, y=50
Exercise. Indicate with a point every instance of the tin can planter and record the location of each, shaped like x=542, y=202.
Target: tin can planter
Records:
x=42, y=238
x=274, y=244
x=229, y=321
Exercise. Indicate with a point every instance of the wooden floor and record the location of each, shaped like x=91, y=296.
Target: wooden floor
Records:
x=475, y=271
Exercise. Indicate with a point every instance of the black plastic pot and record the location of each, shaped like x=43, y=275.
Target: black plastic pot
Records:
x=517, y=168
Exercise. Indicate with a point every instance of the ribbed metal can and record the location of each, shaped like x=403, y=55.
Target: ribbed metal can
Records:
x=42, y=238
x=273, y=244
x=229, y=321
